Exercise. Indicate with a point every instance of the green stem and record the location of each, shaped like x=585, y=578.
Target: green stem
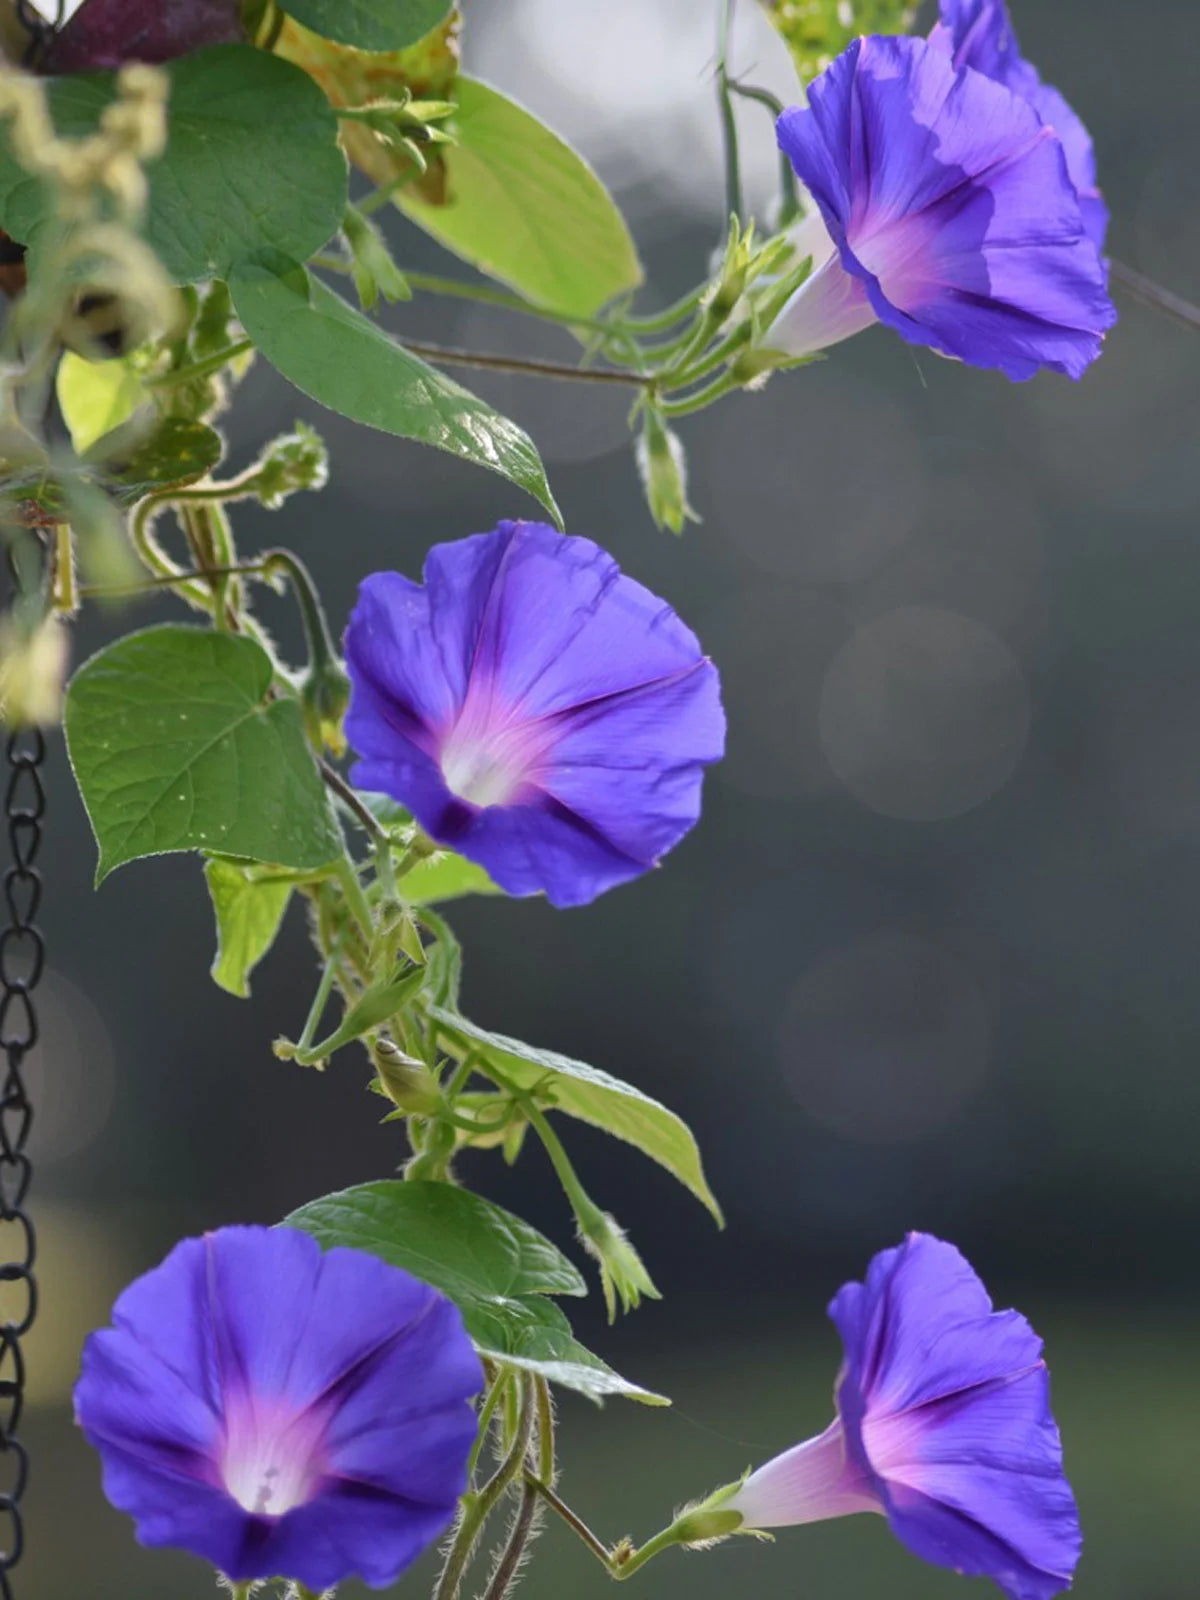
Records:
x=201, y=369
x=356, y=899
x=733, y=172
x=716, y=357
x=321, y=999
x=486, y=1412
x=116, y=591
x=547, y=1471
x=789, y=207
x=705, y=397
x=660, y=321
x=637, y=1559
x=479, y=1507
x=587, y=1213
x=573, y=1521
x=322, y=652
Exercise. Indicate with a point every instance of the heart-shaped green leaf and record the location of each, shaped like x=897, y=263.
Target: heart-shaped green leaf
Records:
x=252, y=162
x=176, y=746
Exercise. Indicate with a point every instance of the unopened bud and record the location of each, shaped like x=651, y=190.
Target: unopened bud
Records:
x=407, y=1082
x=662, y=467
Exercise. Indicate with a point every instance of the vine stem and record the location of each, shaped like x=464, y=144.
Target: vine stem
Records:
x=479, y=1507
x=733, y=172
x=337, y=785
x=573, y=1520
x=201, y=369
x=447, y=355
x=510, y=1561
x=116, y=591
x=704, y=397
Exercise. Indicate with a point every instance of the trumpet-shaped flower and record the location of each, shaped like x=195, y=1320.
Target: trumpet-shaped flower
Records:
x=949, y=213
x=979, y=34
x=534, y=709
x=282, y=1411
x=943, y=1425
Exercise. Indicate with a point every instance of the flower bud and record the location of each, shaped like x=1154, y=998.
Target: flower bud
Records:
x=295, y=461
x=663, y=470
x=407, y=1082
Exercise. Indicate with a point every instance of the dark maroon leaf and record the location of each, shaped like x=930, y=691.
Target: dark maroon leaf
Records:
x=105, y=33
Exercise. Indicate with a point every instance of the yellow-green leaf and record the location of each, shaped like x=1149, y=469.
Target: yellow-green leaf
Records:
x=97, y=396
x=525, y=208
x=249, y=910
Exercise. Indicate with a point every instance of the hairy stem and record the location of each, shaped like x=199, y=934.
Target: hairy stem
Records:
x=573, y=1521
x=508, y=1567
x=478, y=1507
x=201, y=369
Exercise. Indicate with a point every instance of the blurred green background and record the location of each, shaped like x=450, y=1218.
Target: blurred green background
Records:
x=929, y=960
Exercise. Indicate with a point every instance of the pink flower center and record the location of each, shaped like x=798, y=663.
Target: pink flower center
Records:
x=900, y=254
x=490, y=755
x=273, y=1458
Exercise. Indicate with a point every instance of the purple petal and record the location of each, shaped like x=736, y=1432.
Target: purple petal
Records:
x=979, y=34
x=354, y=1530
x=950, y=200
x=922, y=1328
x=401, y=685
x=946, y=1405
x=993, y=1457
x=283, y=1411
x=534, y=708
x=297, y=1344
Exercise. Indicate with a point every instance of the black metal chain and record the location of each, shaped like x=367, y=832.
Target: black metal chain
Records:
x=22, y=957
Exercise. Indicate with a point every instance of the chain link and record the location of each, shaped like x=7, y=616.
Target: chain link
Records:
x=22, y=957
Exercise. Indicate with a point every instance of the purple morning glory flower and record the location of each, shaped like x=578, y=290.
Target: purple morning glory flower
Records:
x=281, y=1410
x=979, y=34
x=534, y=709
x=950, y=214
x=943, y=1424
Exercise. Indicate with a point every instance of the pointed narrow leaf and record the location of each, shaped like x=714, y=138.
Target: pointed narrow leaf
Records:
x=524, y=207
x=176, y=746
x=587, y=1093
x=494, y=1266
x=339, y=357
x=249, y=911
